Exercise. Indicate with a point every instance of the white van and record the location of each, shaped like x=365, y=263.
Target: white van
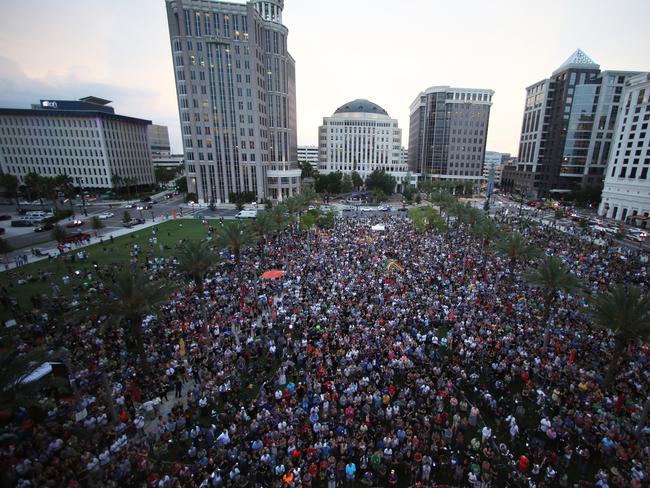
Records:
x=247, y=214
x=38, y=215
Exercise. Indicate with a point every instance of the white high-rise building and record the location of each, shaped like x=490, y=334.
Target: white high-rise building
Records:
x=84, y=139
x=360, y=136
x=626, y=194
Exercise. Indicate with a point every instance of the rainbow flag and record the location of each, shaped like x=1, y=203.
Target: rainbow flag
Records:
x=393, y=264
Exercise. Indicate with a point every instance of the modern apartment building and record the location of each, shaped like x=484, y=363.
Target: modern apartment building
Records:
x=626, y=194
x=360, y=136
x=448, y=133
x=308, y=154
x=235, y=82
x=84, y=139
x=568, y=128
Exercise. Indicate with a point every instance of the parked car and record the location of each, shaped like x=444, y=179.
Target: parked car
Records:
x=43, y=227
x=132, y=222
x=637, y=235
x=106, y=215
x=383, y=208
x=75, y=223
x=5, y=217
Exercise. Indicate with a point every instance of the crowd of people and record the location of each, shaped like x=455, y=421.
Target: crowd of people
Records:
x=346, y=371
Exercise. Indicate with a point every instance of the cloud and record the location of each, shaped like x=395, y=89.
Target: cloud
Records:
x=18, y=90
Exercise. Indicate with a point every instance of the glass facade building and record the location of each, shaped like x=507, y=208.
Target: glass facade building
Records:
x=568, y=128
x=448, y=132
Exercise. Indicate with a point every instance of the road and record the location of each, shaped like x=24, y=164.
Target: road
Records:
x=20, y=237
x=547, y=217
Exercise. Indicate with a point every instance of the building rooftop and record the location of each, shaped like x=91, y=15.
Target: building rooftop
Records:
x=577, y=60
x=361, y=106
x=95, y=100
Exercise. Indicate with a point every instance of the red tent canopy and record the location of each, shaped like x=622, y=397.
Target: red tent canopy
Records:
x=272, y=274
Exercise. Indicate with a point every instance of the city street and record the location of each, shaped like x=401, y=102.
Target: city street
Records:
x=21, y=237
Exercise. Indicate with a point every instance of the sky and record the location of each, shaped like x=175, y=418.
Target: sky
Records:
x=382, y=50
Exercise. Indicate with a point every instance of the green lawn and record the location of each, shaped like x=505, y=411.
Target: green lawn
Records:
x=40, y=275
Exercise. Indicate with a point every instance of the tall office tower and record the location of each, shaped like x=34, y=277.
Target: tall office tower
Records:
x=84, y=139
x=448, y=133
x=626, y=194
x=360, y=136
x=158, y=136
x=235, y=82
x=568, y=127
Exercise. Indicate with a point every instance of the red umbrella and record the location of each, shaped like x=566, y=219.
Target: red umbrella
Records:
x=273, y=274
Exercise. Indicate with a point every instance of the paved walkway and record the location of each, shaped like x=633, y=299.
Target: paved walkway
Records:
x=50, y=248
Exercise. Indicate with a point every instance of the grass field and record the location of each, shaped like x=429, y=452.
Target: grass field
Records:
x=37, y=278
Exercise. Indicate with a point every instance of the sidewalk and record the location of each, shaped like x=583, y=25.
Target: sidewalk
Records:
x=50, y=248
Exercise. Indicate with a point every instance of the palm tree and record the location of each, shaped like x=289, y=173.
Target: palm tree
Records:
x=59, y=233
x=514, y=247
x=625, y=312
x=444, y=200
x=307, y=223
x=195, y=258
x=5, y=248
x=15, y=367
x=260, y=228
x=457, y=209
x=433, y=218
x=471, y=216
x=96, y=223
x=67, y=187
x=487, y=229
x=10, y=185
x=551, y=276
x=278, y=215
x=308, y=195
x=51, y=190
x=294, y=205
x=233, y=235
x=133, y=297
x=415, y=214
x=35, y=186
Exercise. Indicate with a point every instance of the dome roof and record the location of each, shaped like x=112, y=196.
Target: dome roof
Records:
x=361, y=106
